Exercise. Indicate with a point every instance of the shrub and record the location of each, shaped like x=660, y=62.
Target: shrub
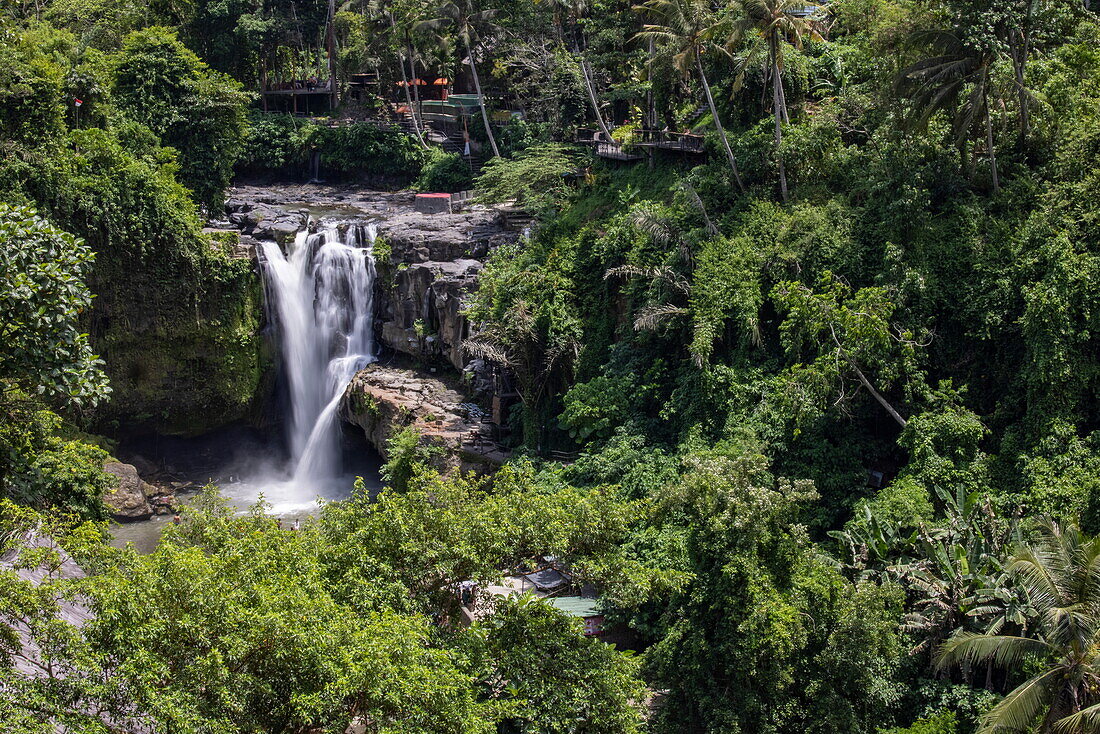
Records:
x=444, y=172
x=362, y=149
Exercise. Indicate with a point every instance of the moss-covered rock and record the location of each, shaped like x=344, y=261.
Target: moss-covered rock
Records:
x=183, y=349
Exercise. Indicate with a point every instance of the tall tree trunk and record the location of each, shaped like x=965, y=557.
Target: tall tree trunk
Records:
x=718, y=121
x=777, y=103
x=876, y=394
x=417, y=115
x=989, y=145
x=334, y=97
x=650, y=99
x=481, y=99
x=592, y=96
x=782, y=91
x=1018, y=45
x=408, y=97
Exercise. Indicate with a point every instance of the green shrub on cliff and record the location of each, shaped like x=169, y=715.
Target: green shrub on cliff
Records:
x=275, y=143
x=43, y=466
x=444, y=172
x=45, y=355
x=361, y=149
x=174, y=317
x=42, y=294
x=163, y=85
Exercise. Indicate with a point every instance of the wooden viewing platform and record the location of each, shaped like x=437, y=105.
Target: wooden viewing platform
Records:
x=688, y=143
x=667, y=140
x=294, y=90
x=604, y=148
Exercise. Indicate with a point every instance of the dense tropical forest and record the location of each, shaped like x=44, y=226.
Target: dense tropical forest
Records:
x=810, y=394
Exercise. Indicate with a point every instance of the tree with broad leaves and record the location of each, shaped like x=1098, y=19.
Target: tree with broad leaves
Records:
x=849, y=337
x=42, y=294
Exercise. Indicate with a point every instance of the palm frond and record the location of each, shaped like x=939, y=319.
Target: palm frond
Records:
x=1001, y=650
x=1018, y=711
x=661, y=273
x=651, y=317
x=488, y=350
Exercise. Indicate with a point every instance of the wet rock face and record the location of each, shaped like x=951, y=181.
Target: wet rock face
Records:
x=424, y=315
x=428, y=266
x=433, y=267
x=258, y=221
x=132, y=498
x=384, y=400
x=129, y=499
x=414, y=237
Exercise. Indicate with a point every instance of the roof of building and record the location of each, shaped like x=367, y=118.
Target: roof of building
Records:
x=547, y=578
x=575, y=606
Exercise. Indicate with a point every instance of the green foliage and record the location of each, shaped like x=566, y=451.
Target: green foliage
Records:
x=744, y=641
x=529, y=325
x=944, y=449
x=362, y=149
x=444, y=172
x=537, y=179
x=942, y=723
x=43, y=466
x=407, y=454
x=43, y=272
x=161, y=84
x=1055, y=574
x=540, y=652
x=30, y=95
x=274, y=142
x=594, y=408
x=844, y=333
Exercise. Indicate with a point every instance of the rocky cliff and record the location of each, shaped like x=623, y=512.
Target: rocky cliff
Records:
x=429, y=264
x=384, y=400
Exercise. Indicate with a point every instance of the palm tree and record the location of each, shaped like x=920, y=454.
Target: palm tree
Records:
x=1061, y=577
x=690, y=28
x=465, y=20
x=571, y=10
x=778, y=22
x=958, y=80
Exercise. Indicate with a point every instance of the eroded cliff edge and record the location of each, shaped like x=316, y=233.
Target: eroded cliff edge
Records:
x=428, y=266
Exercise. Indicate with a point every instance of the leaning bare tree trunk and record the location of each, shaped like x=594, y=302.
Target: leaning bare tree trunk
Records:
x=782, y=95
x=417, y=112
x=481, y=100
x=777, y=103
x=408, y=98
x=989, y=145
x=718, y=122
x=876, y=394
x=330, y=42
x=592, y=97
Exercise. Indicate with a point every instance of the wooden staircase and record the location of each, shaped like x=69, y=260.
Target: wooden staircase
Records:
x=449, y=143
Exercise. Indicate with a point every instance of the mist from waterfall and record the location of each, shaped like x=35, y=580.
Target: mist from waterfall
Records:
x=320, y=294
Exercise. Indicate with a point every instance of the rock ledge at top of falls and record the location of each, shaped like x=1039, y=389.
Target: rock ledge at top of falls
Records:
x=433, y=259
x=420, y=238
x=383, y=400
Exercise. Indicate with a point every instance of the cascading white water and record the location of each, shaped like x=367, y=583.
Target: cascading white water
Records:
x=322, y=291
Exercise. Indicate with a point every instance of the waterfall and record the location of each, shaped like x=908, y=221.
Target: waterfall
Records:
x=321, y=295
